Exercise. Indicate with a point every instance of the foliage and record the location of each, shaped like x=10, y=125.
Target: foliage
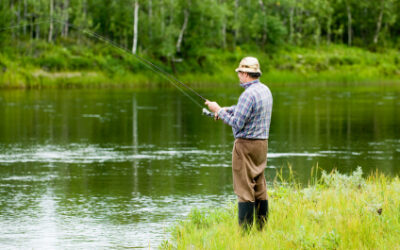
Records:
x=293, y=39
x=329, y=214
x=218, y=24
x=41, y=63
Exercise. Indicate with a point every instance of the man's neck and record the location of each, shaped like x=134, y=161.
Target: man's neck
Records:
x=249, y=79
x=249, y=83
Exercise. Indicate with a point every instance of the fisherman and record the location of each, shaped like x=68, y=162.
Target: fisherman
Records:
x=250, y=120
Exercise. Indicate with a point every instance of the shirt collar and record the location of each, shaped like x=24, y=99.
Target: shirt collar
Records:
x=247, y=84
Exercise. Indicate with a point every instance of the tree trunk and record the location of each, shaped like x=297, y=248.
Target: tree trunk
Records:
x=66, y=18
x=349, y=31
x=12, y=9
x=150, y=19
x=32, y=22
x=84, y=6
x=291, y=25
x=223, y=34
x=265, y=27
x=379, y=23
x=51, y=21
x=84, y=22
x=223, y=29
x=135, y=27
x=37, y=32
x=25, y=15
x=34, y=33
x=180, y=38
x=162, y=17
x=85, y=14
x=328, y=29
x=18, y=17
x=236, y=28
x=317, y=34
x=299, y=26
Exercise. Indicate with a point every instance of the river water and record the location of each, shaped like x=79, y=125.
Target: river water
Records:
x=115, y=168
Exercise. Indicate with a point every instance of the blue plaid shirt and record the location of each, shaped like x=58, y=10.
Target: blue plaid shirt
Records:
x=251, y=116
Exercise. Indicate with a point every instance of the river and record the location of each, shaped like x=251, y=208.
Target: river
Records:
x=115, y=168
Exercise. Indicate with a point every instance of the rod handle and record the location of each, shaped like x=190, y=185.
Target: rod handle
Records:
x=206, y=112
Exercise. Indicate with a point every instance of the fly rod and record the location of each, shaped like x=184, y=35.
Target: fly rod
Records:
x=171, y=78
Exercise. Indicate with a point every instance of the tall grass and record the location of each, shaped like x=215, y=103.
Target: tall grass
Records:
x=335, y=211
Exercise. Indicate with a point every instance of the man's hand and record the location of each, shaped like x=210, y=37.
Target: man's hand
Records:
x=213, y=107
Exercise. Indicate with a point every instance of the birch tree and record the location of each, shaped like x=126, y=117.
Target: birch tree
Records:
x=385, y=9
x=379, y=22
x=25, y=14
x=135, y=26
x=291, y=23
x=349, y=21
x=150, y=18
x=236, y=24
x=66, y=18
x=264, y=14
x=182, y=31
x=51, y=21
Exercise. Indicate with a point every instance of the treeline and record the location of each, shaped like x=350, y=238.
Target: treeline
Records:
x=176, y=29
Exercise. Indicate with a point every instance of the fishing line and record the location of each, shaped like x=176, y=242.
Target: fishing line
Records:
x=143, y=61
x=172, y=79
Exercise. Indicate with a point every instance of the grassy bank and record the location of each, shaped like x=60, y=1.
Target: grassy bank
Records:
x=37, y=64
x=334, y=212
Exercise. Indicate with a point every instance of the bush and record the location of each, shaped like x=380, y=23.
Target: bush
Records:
x=337, y=180
x=52, y=63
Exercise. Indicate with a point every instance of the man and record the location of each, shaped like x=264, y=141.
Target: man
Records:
x=250, y=121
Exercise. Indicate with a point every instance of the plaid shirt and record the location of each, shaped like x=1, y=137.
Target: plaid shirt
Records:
x=251, y=117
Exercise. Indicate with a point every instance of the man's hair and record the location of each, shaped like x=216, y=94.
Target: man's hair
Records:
x=254, y=74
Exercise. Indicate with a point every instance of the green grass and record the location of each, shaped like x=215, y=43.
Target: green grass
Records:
x=335, y=211
x=38, y=64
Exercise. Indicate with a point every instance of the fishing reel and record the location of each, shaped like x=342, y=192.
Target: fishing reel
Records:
x=206, y=112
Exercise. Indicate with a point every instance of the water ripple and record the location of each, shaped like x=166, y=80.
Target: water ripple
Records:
x=92, y=153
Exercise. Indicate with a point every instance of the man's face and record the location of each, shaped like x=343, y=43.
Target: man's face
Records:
x=242, y=77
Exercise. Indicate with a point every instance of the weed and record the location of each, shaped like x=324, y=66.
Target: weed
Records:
x=337, y=211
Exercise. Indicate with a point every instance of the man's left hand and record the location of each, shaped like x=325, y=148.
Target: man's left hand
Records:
x=213, y=106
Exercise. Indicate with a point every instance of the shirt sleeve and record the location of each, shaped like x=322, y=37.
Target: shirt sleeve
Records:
x=230, y=109
x=241, y=112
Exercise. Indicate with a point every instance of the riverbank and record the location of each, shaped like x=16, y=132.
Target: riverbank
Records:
x=334, y=212
x=38, y=64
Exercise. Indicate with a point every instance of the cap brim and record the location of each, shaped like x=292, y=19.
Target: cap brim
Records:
x=247, y=70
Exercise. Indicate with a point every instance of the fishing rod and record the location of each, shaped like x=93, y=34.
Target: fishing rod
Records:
x=171, y=78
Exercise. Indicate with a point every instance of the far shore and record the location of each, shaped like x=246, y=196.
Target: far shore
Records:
x=63, y=66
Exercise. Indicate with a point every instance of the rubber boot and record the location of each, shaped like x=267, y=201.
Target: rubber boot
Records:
x=261, y=207
x=246, y=214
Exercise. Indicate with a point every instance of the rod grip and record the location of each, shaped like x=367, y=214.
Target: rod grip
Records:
x=206, y=112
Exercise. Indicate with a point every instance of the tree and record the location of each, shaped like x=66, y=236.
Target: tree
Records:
x=349, y=22
x=51, y=21
x=386, y=9
x=66, y=18
x=184, y=25
x=135, y=26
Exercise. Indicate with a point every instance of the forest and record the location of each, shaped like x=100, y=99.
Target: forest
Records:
x=193, y=35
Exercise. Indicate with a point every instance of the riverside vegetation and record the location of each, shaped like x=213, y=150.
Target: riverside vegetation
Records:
x=38, y=64
x=200, y=41
x=335, y=211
